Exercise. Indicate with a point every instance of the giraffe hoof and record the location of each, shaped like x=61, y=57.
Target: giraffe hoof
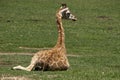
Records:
x=16, y=67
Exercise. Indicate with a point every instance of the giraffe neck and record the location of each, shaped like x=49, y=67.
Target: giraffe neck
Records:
x=61, y=35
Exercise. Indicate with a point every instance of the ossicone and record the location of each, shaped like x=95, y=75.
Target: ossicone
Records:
x=63, y=4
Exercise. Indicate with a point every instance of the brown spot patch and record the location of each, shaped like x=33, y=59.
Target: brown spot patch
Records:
x=104, y=17
x=114, y=66
x=110, y=28
x=5, y=63
x=36, y=20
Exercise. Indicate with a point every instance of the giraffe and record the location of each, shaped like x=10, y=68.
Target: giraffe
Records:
x=54, y=58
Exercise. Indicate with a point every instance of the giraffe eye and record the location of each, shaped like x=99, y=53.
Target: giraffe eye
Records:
x=68, y=15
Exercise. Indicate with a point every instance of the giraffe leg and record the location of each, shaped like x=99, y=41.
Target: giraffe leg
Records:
x=30, y=67
x=20, y=68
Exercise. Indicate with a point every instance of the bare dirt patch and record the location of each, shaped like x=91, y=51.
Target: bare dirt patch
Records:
x=104, y=17
x=16, y=53
x=71, y=55
x=28, y=48
x=13, y=78
x=5, y=63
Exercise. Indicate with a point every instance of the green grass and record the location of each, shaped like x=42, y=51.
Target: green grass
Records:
x=82, y=68
x=95, y=37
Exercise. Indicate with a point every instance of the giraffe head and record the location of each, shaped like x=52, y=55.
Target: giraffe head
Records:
x=66, y=14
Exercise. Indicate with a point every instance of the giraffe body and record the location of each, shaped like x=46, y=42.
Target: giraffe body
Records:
x=54, y=58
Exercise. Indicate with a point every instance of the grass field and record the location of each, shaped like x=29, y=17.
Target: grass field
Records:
x=92, y=42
